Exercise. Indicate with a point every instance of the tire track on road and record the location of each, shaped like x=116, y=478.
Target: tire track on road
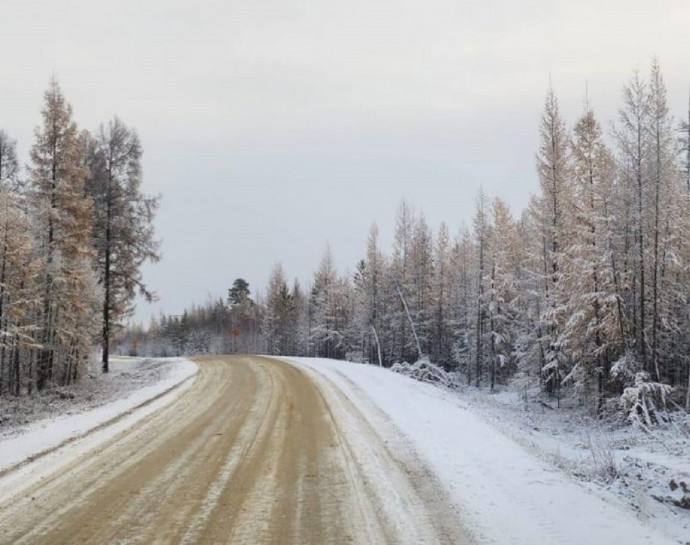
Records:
x=250, y=454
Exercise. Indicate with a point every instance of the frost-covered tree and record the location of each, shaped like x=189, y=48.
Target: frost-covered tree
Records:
x=123, y=233
x=63, y=215
x=633, y=142
x=369, y=294
x=440, y=322
x=9, y=165
x=419, y=294
x=553, y=168
x=503, y=308
x=329, y=307
x=684, y=140
x=279, y=320
x=19, y=268
x=482, y=233
x=400, y=278
x=592, y=335
x=462, y=300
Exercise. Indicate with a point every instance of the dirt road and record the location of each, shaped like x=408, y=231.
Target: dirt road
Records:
x=251, y=454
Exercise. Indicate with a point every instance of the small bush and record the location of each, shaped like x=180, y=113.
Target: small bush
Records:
x=425, y=371
x=645, y=401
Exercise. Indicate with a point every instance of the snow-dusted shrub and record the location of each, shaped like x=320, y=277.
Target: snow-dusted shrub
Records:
x=425, y=371
x=356, y=356
x=625, y=368
x=685, y=424
x=603, y=456
x=645, y=401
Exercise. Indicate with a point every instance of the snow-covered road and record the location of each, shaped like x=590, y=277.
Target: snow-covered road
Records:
x=254, y=450
x=503, y=493
x=52, y=443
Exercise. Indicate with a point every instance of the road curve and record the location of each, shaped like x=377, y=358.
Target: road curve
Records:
x=250, y=454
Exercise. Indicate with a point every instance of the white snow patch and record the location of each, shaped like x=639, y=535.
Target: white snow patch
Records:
x=57, y=441
x=507, y=493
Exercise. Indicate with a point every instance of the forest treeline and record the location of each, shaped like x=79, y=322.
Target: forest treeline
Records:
x=74, y=230
x=588, y=289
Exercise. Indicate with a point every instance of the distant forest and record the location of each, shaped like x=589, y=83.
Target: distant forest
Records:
x=587, y=290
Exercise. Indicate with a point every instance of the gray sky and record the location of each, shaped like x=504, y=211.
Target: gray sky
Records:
x=274, y=127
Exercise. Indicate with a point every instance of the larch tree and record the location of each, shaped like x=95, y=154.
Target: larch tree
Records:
x=400, y=279
x=503, y=308
x=684, y=139
x=592, y=334
x=9, y=203
x=325, y=334
x=482, y=233
x=19, y=269
x=553, y=166
x=369, y=292
x=419, y=295
x=123, y=234
x=9, y=165
x=441, y=341
x=664, y=176
x=632, y=137
x=64, y=221
x=461, y=300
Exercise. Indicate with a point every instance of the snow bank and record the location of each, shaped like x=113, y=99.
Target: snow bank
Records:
x=43, y=437
x=506, y=493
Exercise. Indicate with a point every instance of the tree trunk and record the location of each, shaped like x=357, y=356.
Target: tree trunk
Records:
x=409, y=317
x=378, y=345
x=106, y=277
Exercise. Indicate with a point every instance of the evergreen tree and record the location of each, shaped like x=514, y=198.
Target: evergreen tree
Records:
x=279, y=322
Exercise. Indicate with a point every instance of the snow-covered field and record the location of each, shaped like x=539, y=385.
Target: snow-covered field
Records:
x=508, y=490
x=62, y=427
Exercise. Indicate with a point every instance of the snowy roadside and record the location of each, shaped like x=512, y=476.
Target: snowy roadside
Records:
x=505, y=492
x=648, y=472
x=74, y=417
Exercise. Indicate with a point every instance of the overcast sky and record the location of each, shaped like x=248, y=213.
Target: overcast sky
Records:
x=274, y=127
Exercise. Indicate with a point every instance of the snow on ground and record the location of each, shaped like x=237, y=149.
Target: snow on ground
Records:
x=646, y=471
x=505, y=490
x=61, y=423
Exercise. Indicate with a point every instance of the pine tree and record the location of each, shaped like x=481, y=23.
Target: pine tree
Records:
x=279, y=322
x=242, y=326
